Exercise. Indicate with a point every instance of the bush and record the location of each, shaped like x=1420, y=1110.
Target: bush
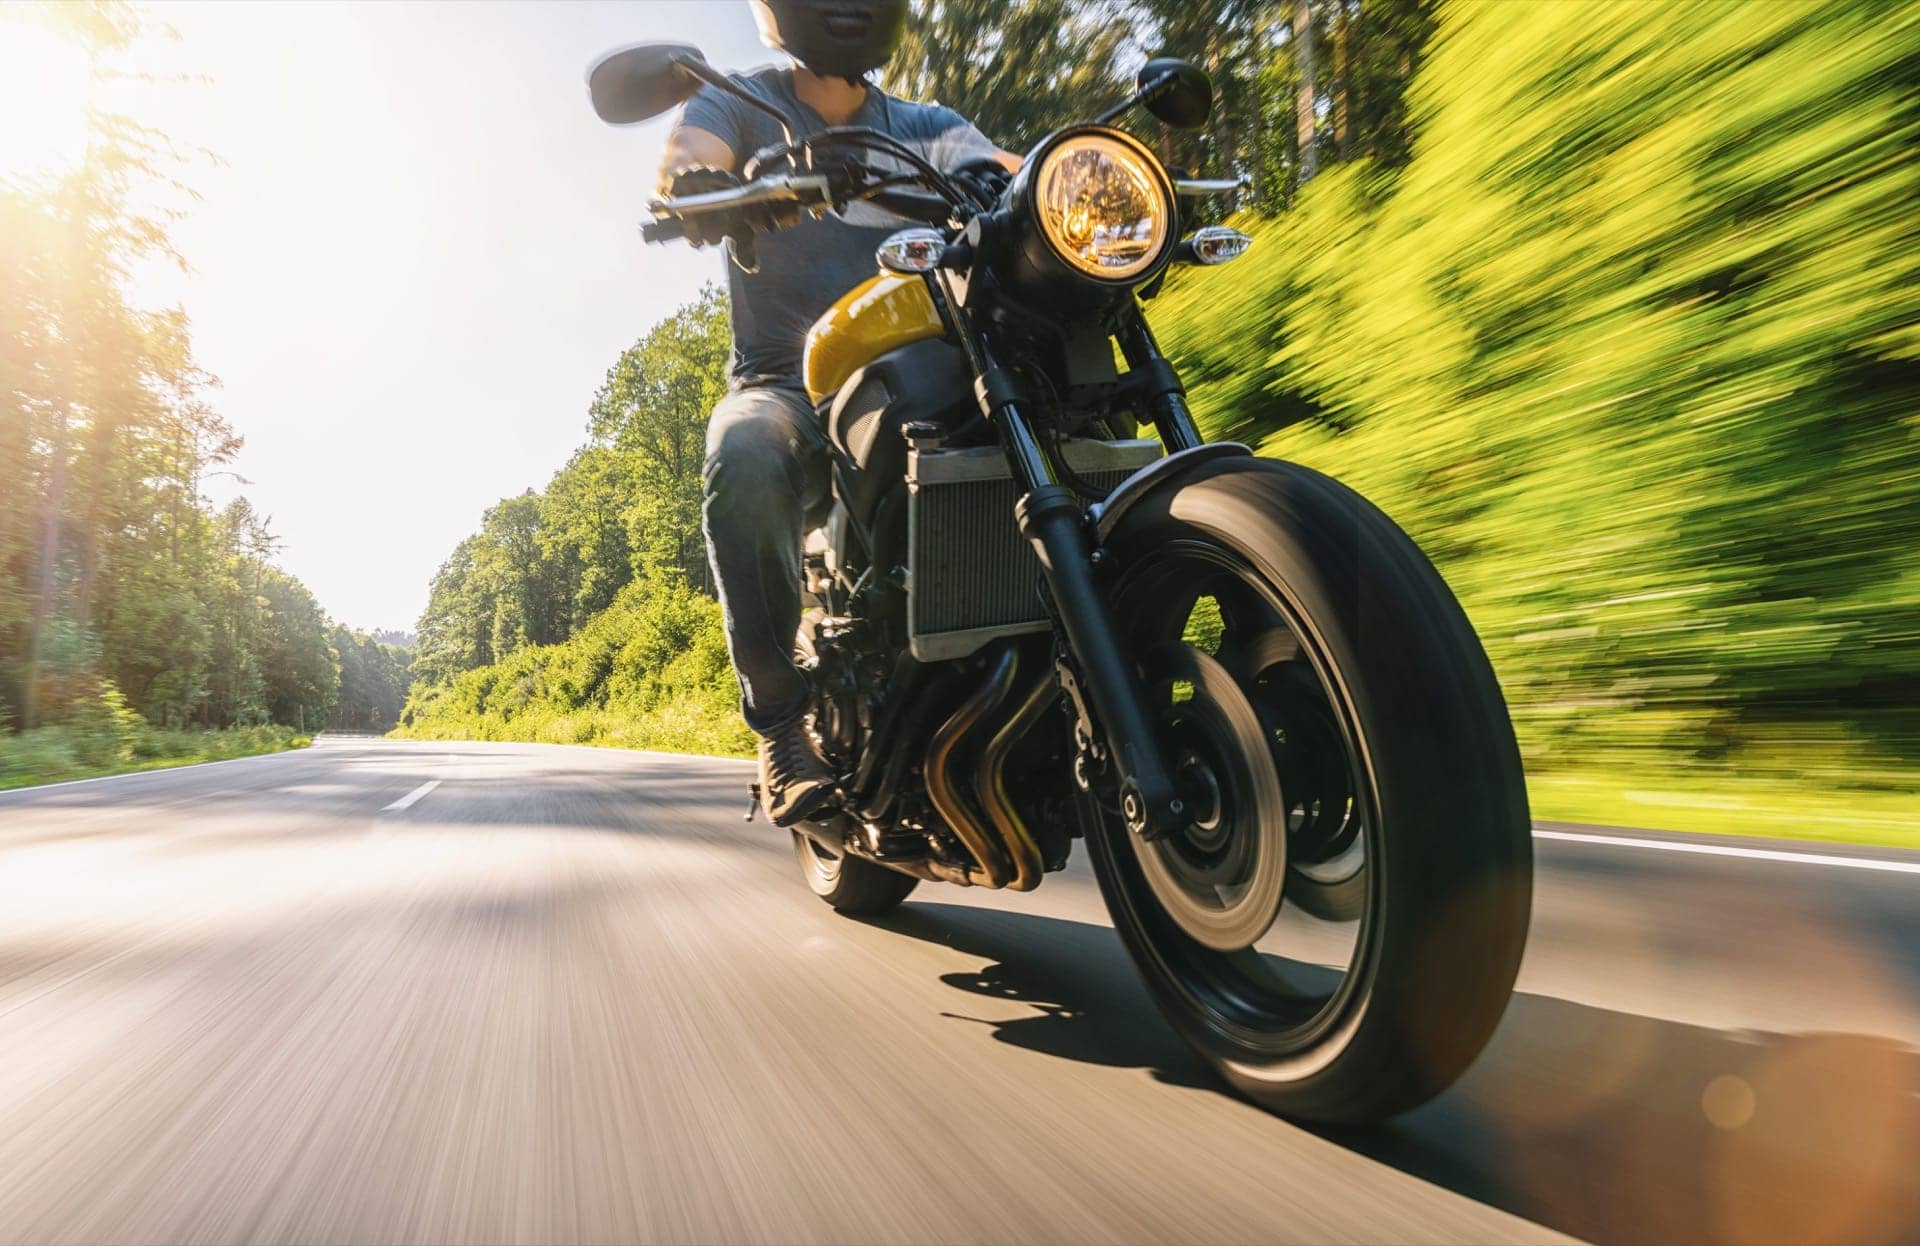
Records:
x=649, y=671
x=103, y=729
x=75, y=750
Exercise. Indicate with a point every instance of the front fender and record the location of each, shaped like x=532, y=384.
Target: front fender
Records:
x=1106, y=515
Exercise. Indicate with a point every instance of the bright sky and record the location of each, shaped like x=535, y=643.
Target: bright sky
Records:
x=418, y=261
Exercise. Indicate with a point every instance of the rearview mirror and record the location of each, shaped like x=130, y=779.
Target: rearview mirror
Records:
x=1176, y=91
x=634, y=83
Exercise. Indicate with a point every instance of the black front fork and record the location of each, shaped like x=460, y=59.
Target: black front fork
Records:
x=1053, y=519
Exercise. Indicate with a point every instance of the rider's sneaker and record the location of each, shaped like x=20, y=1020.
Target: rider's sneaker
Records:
x=795, y=781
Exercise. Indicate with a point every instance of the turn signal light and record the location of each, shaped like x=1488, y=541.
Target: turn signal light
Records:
x=911, y=251
x=1214, y=244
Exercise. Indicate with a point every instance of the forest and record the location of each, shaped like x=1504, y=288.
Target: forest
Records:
x=139, y=623
x=584, y=613
x=1615, y=308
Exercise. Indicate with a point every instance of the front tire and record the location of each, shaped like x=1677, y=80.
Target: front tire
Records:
x=1408, y=844
x=854, y=887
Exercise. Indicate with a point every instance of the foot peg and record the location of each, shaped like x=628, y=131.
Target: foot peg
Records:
x=753, y=801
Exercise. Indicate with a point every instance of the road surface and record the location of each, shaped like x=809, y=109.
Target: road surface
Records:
x=379, y=991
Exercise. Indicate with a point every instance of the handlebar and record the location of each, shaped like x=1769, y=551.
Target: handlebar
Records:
x=914, y=205
x=801, y=190
x=670, y=215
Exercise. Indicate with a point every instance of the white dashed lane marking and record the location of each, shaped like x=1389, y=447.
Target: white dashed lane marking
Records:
x=410, y=798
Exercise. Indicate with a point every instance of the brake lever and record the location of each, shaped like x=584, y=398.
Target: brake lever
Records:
x=744, y=250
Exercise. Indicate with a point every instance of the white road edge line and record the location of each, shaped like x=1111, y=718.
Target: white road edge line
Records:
x=154, y=772
x=1728, y=850
x=407, y=801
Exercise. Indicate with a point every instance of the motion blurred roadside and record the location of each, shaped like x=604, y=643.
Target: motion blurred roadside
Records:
x=1626, y=333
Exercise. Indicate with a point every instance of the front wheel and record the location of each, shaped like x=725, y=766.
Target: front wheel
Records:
x=1339, y=930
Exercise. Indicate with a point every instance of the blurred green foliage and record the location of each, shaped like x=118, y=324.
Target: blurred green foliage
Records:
x=92, y=747
x=1631, y=345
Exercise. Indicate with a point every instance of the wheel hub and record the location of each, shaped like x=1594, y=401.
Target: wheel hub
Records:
x=1222, y=876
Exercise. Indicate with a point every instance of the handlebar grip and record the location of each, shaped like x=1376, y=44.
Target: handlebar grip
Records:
x=662, y=229
x=913, y=205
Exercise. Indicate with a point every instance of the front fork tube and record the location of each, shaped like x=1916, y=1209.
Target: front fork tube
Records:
x=1052, y=518
x=1166, y=398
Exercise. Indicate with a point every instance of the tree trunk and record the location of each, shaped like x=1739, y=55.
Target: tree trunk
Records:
x=1342, y=84
x=49, y=568
x=98, y=453
x=1303, y=60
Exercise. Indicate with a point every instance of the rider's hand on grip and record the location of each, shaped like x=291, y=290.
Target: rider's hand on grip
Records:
x=983, y=178
x=703, y=229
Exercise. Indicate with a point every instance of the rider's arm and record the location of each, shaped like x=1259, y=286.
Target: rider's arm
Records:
x=959, y=140
x=690, y=147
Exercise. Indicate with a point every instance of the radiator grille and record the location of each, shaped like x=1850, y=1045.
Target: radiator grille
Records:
x=973, y=577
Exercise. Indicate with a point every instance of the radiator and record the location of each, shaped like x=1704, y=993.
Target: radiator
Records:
x=971, y=576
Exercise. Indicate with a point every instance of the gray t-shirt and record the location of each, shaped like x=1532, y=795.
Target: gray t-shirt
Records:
x=805, y=268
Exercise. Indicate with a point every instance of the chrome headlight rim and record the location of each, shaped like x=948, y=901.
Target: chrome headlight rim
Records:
x=1064, y=142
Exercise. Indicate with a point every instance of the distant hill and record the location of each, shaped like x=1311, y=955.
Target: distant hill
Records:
x=394, y=637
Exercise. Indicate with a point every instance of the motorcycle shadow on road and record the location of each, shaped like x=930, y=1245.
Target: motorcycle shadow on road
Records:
x=1605, y=1125
x=1087, y=1005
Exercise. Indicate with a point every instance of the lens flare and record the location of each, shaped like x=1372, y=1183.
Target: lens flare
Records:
x=44, y=87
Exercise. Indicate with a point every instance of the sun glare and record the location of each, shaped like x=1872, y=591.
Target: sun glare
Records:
x=44, y=89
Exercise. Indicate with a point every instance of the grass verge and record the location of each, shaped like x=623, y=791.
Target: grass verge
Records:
x=1769, y=808
x=59, y=754
x=682, y=724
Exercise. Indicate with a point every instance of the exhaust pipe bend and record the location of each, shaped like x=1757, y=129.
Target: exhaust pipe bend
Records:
x=990, y=781
x=947, y=799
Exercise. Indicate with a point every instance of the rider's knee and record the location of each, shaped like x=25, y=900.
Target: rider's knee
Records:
x=750, y=452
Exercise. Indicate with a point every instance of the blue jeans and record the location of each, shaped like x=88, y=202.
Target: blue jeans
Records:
x=767, y=467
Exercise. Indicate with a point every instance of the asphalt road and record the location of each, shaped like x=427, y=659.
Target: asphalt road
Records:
x=565, y=994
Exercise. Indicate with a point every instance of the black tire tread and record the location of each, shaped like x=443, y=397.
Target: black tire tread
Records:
x=862, y=889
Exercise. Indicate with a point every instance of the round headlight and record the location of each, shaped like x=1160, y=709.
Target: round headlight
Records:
x=1103, y=206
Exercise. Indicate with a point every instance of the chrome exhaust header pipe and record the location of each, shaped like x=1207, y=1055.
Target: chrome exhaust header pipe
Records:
x=948, y=800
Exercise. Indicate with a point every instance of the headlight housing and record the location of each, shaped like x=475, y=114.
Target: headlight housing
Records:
x=1093, y=205
x=1104, y=205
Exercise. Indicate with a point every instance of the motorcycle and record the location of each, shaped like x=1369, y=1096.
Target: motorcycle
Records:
x=1237, y=681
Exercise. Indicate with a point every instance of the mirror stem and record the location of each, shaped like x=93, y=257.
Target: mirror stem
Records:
x=1145, y=95
x=714, y=78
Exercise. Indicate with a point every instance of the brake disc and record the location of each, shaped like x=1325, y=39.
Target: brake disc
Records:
x=1220, y=878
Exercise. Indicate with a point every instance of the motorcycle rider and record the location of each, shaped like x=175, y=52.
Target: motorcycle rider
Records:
x=767, y=462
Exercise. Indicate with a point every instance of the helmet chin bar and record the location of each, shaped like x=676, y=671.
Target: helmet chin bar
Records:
x=833, y=38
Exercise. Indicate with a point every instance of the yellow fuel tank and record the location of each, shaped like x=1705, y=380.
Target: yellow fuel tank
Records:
x=880, y=314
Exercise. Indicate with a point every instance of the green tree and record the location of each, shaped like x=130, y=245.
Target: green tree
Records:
x=297, y=664
x=456, y=629
x=120, y=588
x=373, y=682
x=626, y=506
x=652, y=411
x=1018, y=69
